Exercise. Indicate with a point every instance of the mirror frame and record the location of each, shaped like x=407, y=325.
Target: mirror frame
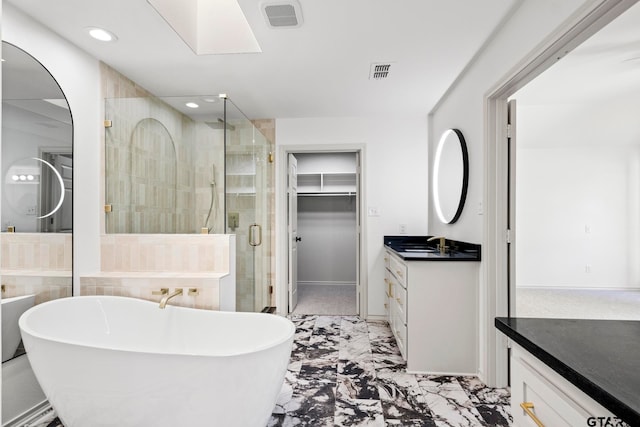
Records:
x=465, y=175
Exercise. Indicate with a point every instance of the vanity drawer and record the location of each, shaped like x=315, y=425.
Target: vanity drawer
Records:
x=400, y=299
x=399, y=270
x=549, y=397
x=399, y=331
x=387, y=260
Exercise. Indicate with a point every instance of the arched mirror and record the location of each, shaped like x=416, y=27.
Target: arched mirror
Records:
x=36, y=215
x=450, y=176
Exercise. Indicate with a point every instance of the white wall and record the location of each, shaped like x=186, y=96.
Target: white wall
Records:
x=394, y=180
x=463, y=106
x=576, y=210
x=79, y=77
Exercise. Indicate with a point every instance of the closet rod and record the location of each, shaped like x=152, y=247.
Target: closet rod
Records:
x=326, y=194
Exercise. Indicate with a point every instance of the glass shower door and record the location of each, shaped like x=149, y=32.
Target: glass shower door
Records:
x=248, y=208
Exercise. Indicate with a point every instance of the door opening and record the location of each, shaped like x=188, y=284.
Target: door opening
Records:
x=323, y=229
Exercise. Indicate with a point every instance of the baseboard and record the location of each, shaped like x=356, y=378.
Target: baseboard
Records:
x=377, y=317
x=30, y=415
x=577, y=288
x=311, y=283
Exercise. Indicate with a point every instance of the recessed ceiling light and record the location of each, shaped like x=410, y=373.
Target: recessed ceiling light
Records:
x=191, y=105
x=101, y=34
x=209, y=99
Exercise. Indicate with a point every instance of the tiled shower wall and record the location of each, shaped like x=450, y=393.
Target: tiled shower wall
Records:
x=199, y=178
x=36, y=263
x=159, y=164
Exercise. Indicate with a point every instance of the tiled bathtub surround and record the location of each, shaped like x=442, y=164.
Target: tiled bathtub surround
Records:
x=136, y=265
x=347, y=372
x=187, y=253
x=36, y=252
x=36, y=263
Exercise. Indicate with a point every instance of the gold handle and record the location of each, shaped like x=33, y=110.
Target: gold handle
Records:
x=255, y=239
x=386, y=258
x=399, y=301
x=193, y=292
x=528, y=406
x=399, y=273
x=162, y=291
x=386, y=305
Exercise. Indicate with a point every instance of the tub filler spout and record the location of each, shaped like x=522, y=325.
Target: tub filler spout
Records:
x=165, y=299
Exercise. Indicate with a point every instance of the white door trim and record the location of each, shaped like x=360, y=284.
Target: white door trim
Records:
x=586, y=21
x=281, y=256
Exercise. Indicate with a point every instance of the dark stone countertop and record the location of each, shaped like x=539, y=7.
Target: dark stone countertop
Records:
x=418, y=248
x=600, y=357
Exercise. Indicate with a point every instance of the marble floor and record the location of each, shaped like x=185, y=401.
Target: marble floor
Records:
x=348, y=372
x=345, y=371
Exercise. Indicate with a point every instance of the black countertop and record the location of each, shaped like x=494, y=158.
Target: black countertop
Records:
x=418, y=248
x=600, y=357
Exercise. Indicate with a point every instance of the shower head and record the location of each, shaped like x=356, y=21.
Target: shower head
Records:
x=219, y=125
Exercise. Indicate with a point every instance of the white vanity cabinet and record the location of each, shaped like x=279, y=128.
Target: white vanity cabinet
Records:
x=431, y=307
x=549, y=398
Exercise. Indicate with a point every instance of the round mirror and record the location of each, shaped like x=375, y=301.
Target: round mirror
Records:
x=450, y=176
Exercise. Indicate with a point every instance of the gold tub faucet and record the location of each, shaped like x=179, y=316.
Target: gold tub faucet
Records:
x=165, y=299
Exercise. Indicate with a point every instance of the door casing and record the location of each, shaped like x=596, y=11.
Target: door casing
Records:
x=281, y=232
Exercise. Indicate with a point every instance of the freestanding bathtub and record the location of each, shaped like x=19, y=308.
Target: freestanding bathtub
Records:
x=12, y=309
x=117, y=361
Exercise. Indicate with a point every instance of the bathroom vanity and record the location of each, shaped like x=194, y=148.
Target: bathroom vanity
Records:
x=431, y=303
x=574, y=372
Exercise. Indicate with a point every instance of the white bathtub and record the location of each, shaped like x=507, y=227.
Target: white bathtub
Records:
x=116, y=361
x=12, y=309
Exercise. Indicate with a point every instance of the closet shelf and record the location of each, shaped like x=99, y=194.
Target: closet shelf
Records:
x=327, y=182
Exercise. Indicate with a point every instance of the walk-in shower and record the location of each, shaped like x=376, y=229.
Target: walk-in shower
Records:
x=198, y=168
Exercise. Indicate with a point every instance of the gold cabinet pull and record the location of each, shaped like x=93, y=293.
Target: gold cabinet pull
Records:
x=528, y=408
x=399, y=301
x=399, y=273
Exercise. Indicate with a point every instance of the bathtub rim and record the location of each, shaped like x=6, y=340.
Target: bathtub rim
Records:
x=9, y=300
x=22, y=323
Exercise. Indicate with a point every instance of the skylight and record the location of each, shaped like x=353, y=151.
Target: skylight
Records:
x=209, y=27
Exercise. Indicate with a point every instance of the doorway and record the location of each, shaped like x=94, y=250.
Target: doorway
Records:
x=578, y=178
x=500, y=236
x=323, y=227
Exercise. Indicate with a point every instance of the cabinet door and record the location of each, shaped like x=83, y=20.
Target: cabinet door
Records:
x=538, y=387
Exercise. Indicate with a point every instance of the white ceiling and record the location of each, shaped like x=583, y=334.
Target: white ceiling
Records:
x=320, y=69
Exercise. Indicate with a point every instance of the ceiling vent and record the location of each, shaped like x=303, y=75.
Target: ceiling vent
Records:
x=282, y=13
x=379, y=70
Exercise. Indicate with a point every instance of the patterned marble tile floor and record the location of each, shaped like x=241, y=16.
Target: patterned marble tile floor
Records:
x=345, y=371
x=348, y=372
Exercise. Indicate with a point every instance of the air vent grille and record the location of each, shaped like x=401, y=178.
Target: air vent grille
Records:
x=282, y=13
x=379, y=71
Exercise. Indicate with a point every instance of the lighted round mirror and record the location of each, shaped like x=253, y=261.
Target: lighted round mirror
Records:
x=23, y=186
x=450, y=176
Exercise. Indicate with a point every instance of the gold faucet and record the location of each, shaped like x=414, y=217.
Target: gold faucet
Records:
x=443, y=243
x=165, y=299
